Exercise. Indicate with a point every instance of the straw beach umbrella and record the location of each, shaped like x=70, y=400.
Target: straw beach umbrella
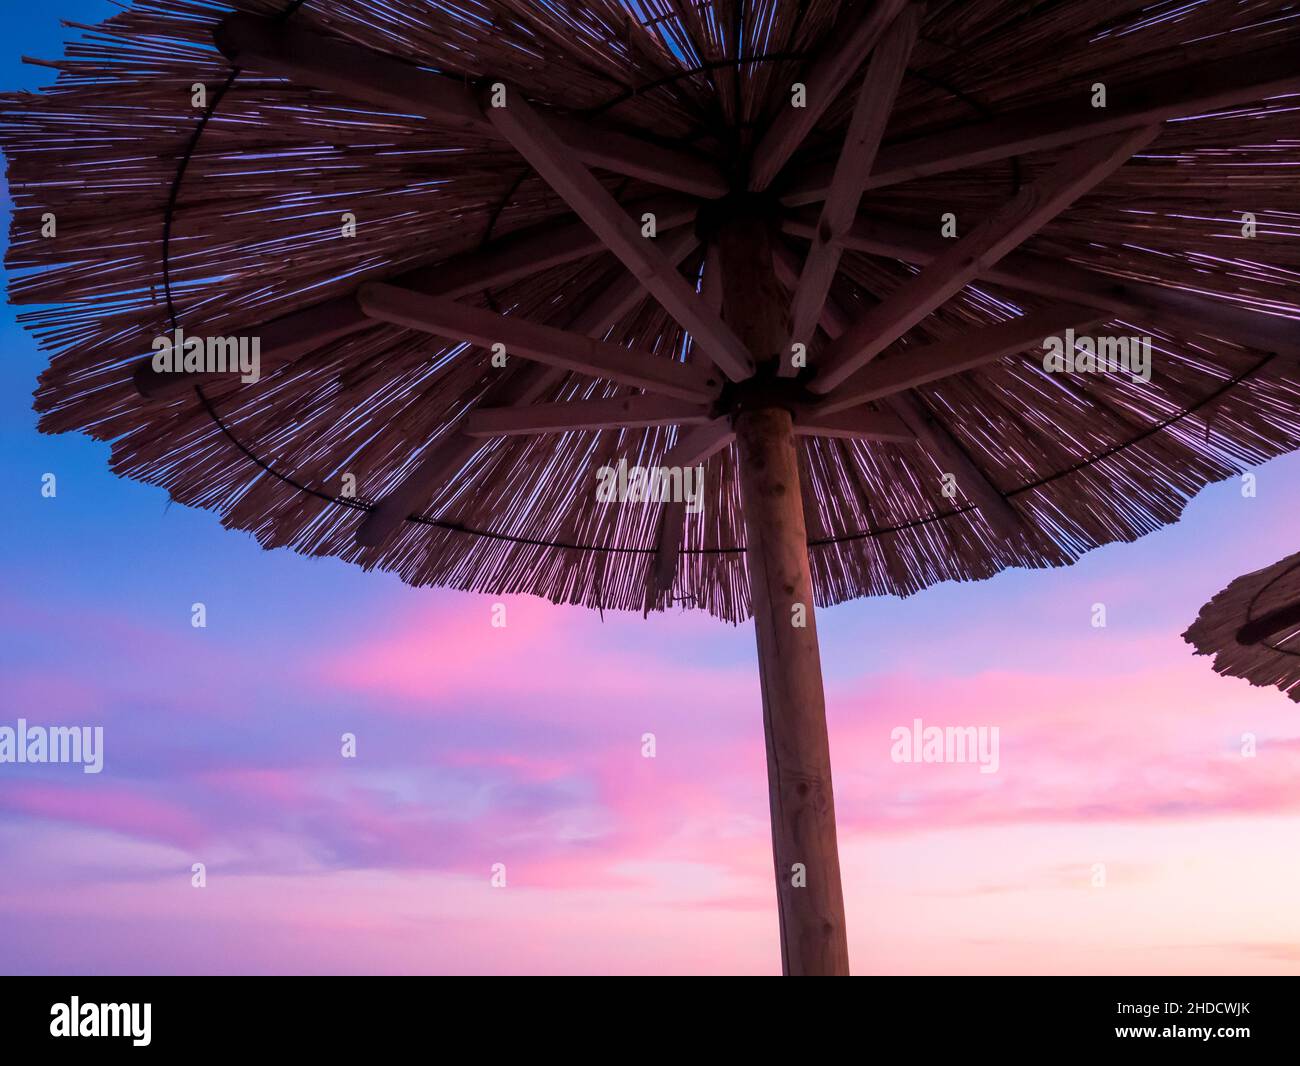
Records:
x=869, y=266
x=1252, y=627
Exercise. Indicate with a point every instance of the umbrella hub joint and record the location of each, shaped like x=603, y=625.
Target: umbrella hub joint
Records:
x=763, y=390
x=737, y=209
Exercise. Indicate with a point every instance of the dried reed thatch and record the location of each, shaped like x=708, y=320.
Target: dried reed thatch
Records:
x=1252, y=627
x=222, y=218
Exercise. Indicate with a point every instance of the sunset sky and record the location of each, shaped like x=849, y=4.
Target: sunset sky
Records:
x=522, y=745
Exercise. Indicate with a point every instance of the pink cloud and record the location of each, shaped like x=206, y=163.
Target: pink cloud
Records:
x=122, y=809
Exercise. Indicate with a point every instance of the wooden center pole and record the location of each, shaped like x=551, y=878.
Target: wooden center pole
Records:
x=805, y=855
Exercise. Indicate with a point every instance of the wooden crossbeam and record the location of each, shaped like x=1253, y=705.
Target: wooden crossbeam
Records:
x=871, y=111
x=1035, y=204
x=947, y=453
x=1058, y=124
x=523, y=385
x=363, y=74
x=859, y=424
x=521, y=125
x=510, y=258
x=543, y=344
x=618, y=412
x=1069, y=282
x=966, y=351
x=824, y=77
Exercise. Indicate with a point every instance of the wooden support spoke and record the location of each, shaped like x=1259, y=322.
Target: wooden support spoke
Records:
x=1209, y=317
x=445, y=459
x=1061, y=123
x=711, y=283
x=668, y=543
x=619, y=412
x=698, y=444
x=1030, y=272
x=951, y=458
x=933, y=362
x=359, y=73
x=967, y=258
x=521, y=125
x=511, y=258
x=826, y=74
x=870, y=113
x=696, y=447
x=943, y=448
x=854, y=425
x=523, y=385
x=543, y=344
x=627, y=292
x=1278, y=622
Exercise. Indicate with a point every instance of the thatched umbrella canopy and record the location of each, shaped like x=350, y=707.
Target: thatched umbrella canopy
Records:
x=487, y=250
x=1252, y=627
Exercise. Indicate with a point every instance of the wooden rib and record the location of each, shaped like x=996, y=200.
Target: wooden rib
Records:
x=871, y=111
x=973, y=254
x=711, y=283
x=933, y=362
x=668, y=543
x=1275, y=623
x=693, y=448
x=853, y=425
x=1270, y=72
x=996, y=509
x=525, y=385
x=1216, y=318
x=618, y=412
x=1060, y=280
x=374, y=77
x=785, y=261
x=543, y=344
x=444, y=459
x=510, y=258
x=699, y=443
x=598, y=316
x=531, y=137
x=971, y=480
x=623, y=295
x=662, y=571
x=825, y=75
